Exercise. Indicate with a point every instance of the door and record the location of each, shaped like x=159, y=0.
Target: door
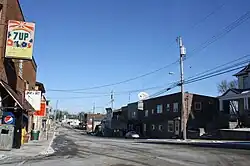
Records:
x=177, y=127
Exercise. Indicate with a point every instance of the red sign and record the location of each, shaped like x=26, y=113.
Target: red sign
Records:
x=42, y=111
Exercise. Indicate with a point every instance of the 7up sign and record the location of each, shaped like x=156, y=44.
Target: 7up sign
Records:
x=20, y=40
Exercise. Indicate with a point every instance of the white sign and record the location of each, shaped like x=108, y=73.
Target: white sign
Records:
x=34, y=98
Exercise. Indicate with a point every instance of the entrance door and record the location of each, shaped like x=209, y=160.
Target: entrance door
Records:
x=177, y=127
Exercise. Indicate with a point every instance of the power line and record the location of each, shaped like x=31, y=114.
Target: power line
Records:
x=213, y=75
x=199, y=77
x=146, y=74
x=176, y=83
x=116, y=93
x=121, y=82
x=243, y=18
x=227, y=63
x=219, y=70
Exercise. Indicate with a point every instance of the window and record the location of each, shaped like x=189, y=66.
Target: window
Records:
x=168, y=107
x=176, y=107
x=153, y=127
x=1, y=11
x=153, y=111
x=170, y=126
x=144, y=127
x=134, y=114
x=20, y=68
x=146, y=113
x=27, y=85
x=130, y=126
x=245, y=82
x=160, y=127
x=197, y=105
x=159, y=109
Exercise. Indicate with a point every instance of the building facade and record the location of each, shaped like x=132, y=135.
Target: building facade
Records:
x=15, y=75
x=161, y=117
x=236, y=100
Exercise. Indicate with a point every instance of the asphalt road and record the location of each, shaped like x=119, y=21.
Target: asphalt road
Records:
x=73, y=148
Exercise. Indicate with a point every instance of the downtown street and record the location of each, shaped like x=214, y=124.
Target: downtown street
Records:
x=73, y=147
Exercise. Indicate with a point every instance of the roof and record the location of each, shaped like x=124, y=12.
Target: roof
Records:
x=41, y=86
x=244, y=71
x=23, y=104
x=237, y=91
x=97, y=116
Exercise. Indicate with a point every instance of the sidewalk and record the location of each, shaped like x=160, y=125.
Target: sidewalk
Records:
x=202, y=143
x=32, y=148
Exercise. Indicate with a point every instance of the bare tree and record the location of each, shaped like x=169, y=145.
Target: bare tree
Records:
x=222, y=87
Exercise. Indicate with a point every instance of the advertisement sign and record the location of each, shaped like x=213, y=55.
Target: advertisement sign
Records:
x=8, y=118
x=34, y=98
x=42, y=110
x=20, y=40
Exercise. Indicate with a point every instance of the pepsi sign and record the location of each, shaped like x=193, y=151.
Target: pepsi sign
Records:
x=8, y=118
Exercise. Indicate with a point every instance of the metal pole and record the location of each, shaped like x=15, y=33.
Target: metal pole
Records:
x=183, y=112
x=94, y=108
x=129, y=97
x=112, y=100
x=55, y=111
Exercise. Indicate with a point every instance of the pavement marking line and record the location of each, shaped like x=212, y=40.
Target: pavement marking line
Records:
x=21, y=163
x=174, y=161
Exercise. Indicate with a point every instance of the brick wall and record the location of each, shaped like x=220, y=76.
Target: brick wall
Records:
x=9, y=68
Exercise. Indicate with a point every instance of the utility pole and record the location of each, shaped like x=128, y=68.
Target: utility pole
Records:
x=183, y=112
x=112, y=100
x=129, y=94
x=55, y=111
x=94, y=108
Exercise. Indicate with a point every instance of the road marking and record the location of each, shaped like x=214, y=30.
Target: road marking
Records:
x=174, y=161
x=21, y=163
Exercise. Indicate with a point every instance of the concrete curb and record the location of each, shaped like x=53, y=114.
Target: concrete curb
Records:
x=226, y=145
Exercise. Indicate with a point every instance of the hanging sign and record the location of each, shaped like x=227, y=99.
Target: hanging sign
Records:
x=20, y=40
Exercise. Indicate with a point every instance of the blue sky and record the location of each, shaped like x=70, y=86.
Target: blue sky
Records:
x=80, y=44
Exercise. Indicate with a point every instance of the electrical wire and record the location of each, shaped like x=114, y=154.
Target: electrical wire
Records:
x=117, y=83
x=219, y=70
x=199, y=77
x=213, y=75
x=217, y=67
x=143, y=75
x=243, y=18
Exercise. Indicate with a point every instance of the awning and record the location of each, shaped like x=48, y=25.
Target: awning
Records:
x=18, y=98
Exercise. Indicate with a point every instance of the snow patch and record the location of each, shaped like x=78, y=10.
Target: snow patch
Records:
x=49, y=150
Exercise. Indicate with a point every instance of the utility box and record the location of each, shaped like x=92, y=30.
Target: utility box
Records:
x=6, y=136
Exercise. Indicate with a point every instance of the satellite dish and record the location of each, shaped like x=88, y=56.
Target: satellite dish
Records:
x=143, y=95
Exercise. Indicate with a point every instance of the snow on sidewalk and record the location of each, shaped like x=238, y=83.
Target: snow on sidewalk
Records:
x=31, y=149
x=203, y=143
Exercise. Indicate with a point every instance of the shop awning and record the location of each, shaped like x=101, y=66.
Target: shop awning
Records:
x=17, y=98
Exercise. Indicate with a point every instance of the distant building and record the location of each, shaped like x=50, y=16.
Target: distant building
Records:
x=92, y=120
x=239, y=97
x=160, y=117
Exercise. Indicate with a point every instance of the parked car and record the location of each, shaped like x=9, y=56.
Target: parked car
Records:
x=132, y=134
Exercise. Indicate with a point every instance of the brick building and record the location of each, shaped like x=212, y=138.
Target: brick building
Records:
x=15, y=75
x=161, y=117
